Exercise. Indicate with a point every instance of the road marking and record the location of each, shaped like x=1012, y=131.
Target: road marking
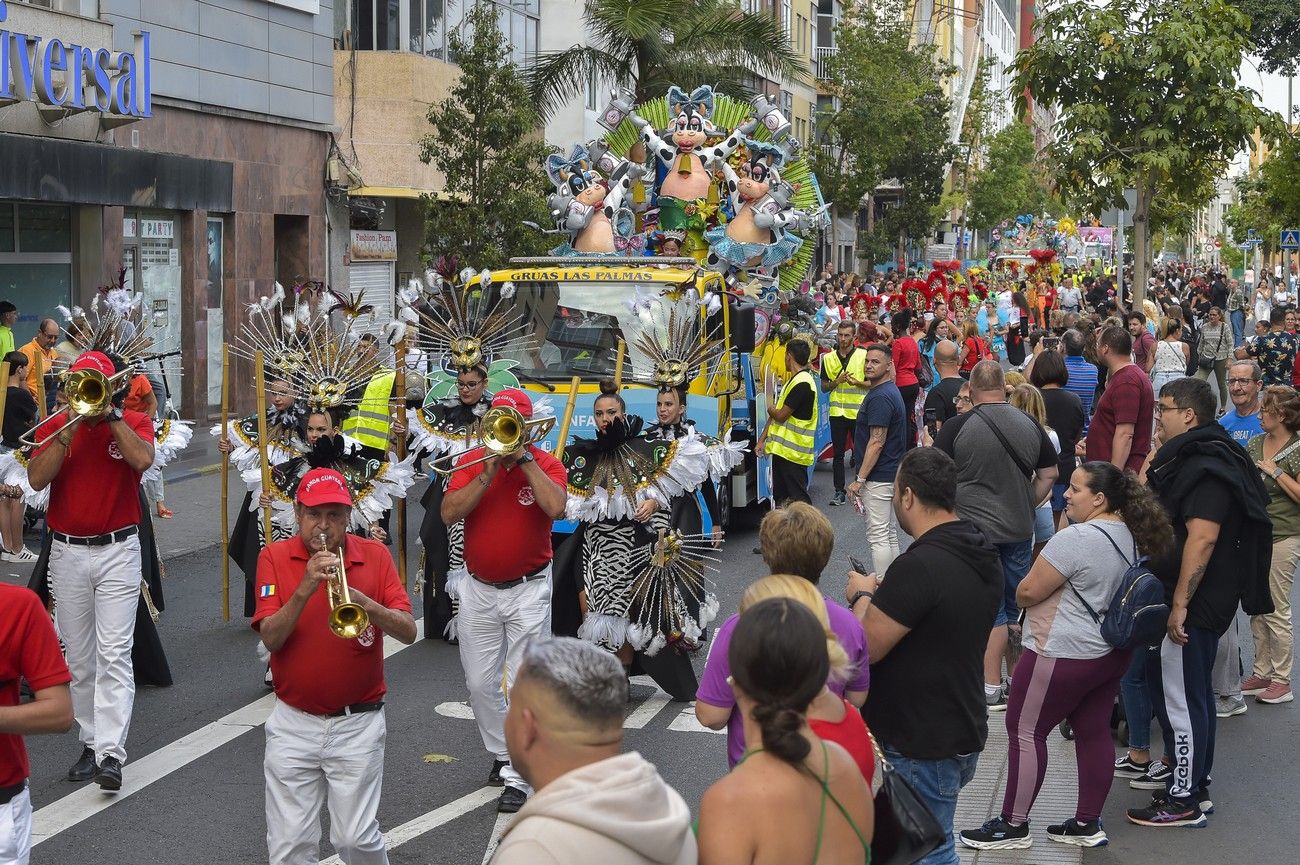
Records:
x=89, y=800
x=459, y=710
x=644, y=713
x=399, y=835
x=498, y=829
x=686, y=722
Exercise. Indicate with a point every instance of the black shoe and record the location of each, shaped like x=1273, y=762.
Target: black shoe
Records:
x=1078, y=834
x=838, y=499
x=85, y=767
x=758, y=551
x=997, y=834
x=109, y=776
x=1163, y=812
x=512, y=799
x=494, y=777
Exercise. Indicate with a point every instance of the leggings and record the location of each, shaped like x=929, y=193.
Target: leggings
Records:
x=910, y=392
x=1044, y=692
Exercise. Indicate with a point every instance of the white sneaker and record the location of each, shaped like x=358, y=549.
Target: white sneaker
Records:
x=23, y=555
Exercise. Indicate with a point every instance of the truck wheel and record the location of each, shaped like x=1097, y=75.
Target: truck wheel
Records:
x=724, y=503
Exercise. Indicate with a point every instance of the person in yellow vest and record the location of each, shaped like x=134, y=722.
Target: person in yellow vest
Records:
x=844, y=378
x=371, y=424
x=791, y=435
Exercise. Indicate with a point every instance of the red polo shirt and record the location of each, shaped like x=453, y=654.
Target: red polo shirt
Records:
x=95, y=491
x=30, y=650
x=507, y=535
x=314, y=670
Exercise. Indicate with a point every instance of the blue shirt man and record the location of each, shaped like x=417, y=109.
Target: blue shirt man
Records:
x=1083, y=375
x=1242, y=420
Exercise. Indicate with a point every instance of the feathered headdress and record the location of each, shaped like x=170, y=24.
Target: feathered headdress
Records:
x=673, y=350
x=114, y=323
x=322, y=361
x=470, y=324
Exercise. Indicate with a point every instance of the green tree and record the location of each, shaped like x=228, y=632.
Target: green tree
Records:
x=889, y=122
x=648, y=45
x=1147, y=97
x=486, y=141
x=1269, y=198
x=1274, y=25
x=1006, y=186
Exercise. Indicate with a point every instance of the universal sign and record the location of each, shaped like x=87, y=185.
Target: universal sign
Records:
x=71, y=77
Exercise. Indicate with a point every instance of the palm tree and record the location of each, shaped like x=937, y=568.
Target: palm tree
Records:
x=648, y=45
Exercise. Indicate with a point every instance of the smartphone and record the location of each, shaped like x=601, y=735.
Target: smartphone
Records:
x=1052, y=343
x=858, y=566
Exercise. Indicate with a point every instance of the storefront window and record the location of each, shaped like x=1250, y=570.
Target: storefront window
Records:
x=35, y=261
x=6, y=228
x=44, y=228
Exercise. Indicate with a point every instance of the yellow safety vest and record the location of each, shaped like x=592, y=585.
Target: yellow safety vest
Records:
x=846, y=399
x=369, y=424
x=794, y=439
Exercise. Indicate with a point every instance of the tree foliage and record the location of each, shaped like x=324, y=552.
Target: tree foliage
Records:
x=1269, y=197
x=889, y=123
x=649, y=45
x=1275, y=31
x=1147, y=97
x=486, y=141
x=1006, y=185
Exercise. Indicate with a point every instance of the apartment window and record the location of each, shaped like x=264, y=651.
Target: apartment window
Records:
x=421, y=26
x=785, y=18
x=84, y=8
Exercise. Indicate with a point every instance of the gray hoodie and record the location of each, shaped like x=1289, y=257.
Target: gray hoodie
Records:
x=617, y=811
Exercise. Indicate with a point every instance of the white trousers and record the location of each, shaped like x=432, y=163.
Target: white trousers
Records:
x=16, y=830
x=492, y=629
x=878, y=497
x=311, y=761
x=96, y=591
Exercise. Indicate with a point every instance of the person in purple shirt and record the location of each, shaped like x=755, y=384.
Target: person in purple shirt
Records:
x=797, y=540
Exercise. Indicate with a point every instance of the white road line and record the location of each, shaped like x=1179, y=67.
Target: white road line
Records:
x=686, y=722
x=399, y=835
x=644, y=713
x=455, y=709
x=89, y=800
x=498, y=829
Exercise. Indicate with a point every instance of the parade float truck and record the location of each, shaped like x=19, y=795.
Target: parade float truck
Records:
x=585, y=325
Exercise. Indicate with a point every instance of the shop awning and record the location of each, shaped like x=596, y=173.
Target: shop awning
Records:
x=400, y=192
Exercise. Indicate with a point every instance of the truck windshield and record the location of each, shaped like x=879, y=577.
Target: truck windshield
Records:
x=574, y=328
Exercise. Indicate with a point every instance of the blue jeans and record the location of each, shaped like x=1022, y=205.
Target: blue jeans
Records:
x=1137, y=701
x=937, y=782
x=1238, y=319
x=1015, y=558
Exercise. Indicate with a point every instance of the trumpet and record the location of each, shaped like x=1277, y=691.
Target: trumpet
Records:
x=89, y=394
x=503, y=431
x=347, y=619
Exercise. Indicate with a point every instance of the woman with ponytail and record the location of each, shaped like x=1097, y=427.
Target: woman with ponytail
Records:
x=830, y=716
x=795, y=797
x=1067, y=670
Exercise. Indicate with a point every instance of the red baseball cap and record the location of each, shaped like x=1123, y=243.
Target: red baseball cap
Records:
x=323, y=487
x=513, y=397
x=96, y=360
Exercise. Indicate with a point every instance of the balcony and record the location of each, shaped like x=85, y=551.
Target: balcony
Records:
x=820, y=58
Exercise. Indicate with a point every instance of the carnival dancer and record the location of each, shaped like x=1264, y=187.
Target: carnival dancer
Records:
x=844, y=376
x=325, y=736
x=642, y=585
x=95, y=561
x=505, y=595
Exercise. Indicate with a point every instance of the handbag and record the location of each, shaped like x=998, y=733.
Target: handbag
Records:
x=1207, y=363
x=906, y=830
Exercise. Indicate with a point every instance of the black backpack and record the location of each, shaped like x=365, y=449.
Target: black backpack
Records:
x=1137, y=614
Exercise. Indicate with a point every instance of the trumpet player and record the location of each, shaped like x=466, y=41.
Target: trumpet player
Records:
x=325, y=736
x=94, y=561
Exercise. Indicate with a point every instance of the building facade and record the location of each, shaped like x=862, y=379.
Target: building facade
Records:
x=181, y=143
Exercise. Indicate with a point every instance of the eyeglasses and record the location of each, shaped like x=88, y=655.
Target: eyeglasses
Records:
x=1241, y=381
x=468, y=385
x=1161, y=408
x=958, y=400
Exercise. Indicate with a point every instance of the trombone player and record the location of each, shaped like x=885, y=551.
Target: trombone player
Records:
x=95, y=551
x=325, y=736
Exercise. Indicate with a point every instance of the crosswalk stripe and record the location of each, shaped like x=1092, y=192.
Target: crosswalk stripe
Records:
x=89, y=800
x=399, y=835
x=644, y=713
x=498, y=829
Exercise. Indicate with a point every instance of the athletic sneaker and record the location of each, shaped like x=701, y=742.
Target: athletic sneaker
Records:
x=23, y=555
x=838, y=499
x=1079, y=834
x=997, y=834
x=1203, y=801
x=1156, y=778
x=1127, y=767
x=1255, y=685
x=1226, y=707
x=996, y=702
x=1164, y=812
x=1275, y=693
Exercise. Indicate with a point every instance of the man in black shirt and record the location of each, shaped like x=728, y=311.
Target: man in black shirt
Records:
x=927, y=625
x=942, y=398
x=1217, y=504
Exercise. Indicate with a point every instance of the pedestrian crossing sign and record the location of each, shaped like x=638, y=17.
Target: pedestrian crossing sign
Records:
x=1290, y=238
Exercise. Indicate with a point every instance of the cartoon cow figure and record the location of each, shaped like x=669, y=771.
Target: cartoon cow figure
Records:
x=585, y=205
x=758, y=235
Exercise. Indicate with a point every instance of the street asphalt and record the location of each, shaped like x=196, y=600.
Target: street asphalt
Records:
x=193, y=780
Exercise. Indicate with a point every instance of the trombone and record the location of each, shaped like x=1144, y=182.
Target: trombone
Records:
x=502, y=431
x=347, y=619
x=89, y=394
